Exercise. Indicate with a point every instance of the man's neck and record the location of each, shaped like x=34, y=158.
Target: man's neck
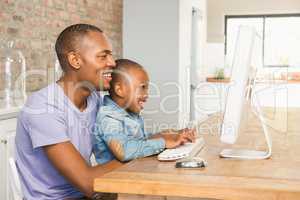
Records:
x=78, y=95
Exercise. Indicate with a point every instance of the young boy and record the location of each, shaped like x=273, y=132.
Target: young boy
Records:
x=119, y=131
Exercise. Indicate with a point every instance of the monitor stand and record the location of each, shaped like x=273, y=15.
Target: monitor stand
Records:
x=252, y=154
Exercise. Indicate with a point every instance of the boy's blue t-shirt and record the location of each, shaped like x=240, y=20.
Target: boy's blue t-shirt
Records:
x=120, y=132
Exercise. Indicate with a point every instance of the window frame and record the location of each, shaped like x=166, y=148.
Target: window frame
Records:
x=263, y=16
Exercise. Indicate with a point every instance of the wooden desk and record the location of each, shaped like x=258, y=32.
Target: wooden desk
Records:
x=277, y=178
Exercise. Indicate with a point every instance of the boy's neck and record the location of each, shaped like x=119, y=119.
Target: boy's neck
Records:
x=121, y=102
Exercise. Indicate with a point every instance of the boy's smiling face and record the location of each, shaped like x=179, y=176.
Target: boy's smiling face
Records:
x=136, y=90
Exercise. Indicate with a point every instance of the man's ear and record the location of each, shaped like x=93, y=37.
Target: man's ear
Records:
x=119, y=90
x=74, y=60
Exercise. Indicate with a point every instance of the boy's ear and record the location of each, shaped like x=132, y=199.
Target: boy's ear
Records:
x=74, y=60
x=119, y=90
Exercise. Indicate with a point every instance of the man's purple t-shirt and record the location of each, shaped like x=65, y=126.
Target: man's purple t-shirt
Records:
x=49, y=117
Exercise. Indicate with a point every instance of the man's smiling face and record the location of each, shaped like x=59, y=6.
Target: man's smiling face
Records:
x=96, y=60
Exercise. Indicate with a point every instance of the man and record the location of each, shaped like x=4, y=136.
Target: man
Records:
x=53, y=143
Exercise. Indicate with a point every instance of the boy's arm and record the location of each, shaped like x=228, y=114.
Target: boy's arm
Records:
x=163, y=133
x=171, y=134
x=127, y=147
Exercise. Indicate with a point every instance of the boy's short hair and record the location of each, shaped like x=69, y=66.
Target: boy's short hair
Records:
x=120, y=72
x=126, y=64
x=69, y=40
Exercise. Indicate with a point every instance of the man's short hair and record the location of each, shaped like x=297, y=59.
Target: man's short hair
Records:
x=69, y=40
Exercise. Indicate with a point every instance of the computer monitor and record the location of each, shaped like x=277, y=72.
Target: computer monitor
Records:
x=236, y=98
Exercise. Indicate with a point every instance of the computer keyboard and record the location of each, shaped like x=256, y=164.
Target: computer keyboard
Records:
x=188, y=149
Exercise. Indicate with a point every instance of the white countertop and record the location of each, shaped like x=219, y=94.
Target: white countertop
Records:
x=7, y=113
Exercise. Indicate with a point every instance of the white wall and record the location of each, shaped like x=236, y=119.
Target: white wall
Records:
x=185, y=36
x=157, y=35
x=213, y=58
x=218, y=8
x=150, y=37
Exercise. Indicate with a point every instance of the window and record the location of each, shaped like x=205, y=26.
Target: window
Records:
x=280, y=37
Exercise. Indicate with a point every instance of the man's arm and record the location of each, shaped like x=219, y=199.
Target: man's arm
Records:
x=68, y=161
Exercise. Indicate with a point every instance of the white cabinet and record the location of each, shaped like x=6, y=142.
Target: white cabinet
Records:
x=7, y=134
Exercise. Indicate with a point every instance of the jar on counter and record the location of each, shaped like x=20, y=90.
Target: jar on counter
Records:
x=12, y=76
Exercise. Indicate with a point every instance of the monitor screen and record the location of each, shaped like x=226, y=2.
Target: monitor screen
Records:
x=236, y=92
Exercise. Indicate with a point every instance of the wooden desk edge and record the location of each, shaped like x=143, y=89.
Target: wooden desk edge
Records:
x=164, y=188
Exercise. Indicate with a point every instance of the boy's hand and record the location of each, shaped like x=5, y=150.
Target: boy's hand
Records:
x=190, y=134
x=178, y=138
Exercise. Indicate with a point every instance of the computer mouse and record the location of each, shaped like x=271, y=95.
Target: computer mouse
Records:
x=191, y=163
